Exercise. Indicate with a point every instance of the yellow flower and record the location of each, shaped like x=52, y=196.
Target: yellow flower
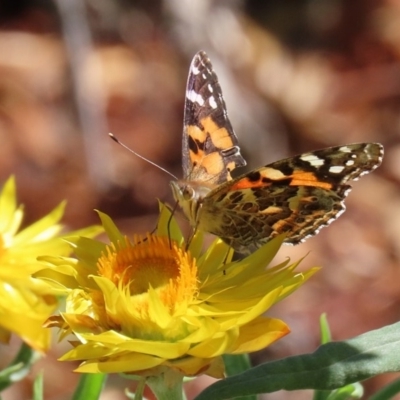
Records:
x=146, y=306
x=25, y=302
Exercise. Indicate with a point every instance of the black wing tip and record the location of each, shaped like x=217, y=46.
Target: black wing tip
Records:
x=201, y=59
x=201, y=54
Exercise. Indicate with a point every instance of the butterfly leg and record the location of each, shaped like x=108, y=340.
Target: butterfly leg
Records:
x=190, y=238
x=229, y=255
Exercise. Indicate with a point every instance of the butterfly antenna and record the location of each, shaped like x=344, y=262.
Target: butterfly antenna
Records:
x=138, y=155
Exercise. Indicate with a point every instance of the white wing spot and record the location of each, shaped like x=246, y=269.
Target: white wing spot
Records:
x=350, y=163
x=204, y=76
x=313, y=159
x=210, y=88
x=345, y=149
x=212, y=102
x=195, y=70
x=194, y=97
x=337, y=169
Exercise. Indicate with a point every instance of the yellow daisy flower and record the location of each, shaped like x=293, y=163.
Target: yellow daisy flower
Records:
x=148, y=306
x=25, y=302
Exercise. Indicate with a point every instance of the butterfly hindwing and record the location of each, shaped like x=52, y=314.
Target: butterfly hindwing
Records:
x=297, y=196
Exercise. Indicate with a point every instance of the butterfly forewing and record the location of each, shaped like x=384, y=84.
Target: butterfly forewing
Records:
x=209, y=146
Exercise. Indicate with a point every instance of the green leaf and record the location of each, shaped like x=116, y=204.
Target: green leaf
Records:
x=235, y=364
x=352, y=391
x=322, y=394
x=38, y=387
x=89, y=387
x=20, y=367
x=333, y=365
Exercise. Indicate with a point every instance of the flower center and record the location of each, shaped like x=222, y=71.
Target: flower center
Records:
x=151, y=262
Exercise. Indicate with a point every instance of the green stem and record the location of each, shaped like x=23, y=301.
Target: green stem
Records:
x=167, y=386
x=388, y=392
x=20, y=367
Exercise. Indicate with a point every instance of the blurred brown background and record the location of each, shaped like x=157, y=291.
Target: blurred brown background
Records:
x=297, y=75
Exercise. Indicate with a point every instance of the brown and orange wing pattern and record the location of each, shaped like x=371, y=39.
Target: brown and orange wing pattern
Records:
x=297, y=196
x=209, y=146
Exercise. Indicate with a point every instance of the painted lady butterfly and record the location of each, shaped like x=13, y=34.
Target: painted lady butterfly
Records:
x=297, y=195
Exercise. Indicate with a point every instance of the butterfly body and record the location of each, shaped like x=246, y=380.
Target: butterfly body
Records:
x=296, y=196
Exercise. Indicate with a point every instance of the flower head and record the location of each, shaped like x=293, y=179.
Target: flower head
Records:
x=25, y=302
x=146, y=305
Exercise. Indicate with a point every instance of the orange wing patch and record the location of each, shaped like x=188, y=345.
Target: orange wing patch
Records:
x=213, y=164
x=302, y=178
x=218, y=135
x=267, y=176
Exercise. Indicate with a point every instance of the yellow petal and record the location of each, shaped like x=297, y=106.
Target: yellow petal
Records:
x=44, y=229
x=206, y=328
x=23, y=313
x=132, y=362
x=192, y=366
x=215, y=346
x=8, y=206
x=259, y=334
x=155, y=348
x=112, y=231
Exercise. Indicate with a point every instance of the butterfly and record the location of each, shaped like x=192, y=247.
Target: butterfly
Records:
x=296, y=196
